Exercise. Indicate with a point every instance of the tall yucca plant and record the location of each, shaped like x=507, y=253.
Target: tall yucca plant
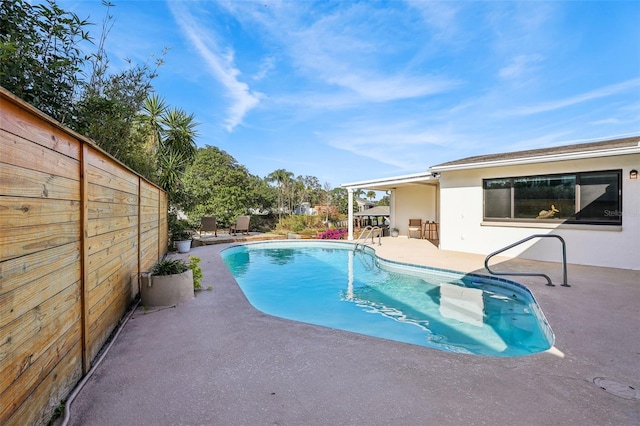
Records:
x=176, y=151
x=171, y=168
x=179, y=132
x=170, y=137
x=153, y=109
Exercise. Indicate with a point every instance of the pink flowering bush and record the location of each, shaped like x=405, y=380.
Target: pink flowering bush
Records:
x=332, y=234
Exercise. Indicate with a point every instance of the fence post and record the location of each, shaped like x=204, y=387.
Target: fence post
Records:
x=84, y=261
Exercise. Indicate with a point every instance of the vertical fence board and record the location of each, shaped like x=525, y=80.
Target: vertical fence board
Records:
x=76, y=229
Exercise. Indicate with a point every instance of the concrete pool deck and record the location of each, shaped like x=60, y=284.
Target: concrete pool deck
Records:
x=215, y=360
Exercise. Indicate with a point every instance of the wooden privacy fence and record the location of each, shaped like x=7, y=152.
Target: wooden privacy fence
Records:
x=76, y=229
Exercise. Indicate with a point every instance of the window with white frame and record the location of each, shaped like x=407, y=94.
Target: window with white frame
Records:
x=585, y=197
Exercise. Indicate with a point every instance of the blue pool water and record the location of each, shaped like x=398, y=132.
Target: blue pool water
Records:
x=329, y=284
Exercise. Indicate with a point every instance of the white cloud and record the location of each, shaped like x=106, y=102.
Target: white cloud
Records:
x=404, y=145
x=605, y=121
x=381, y=88
x=266, y=66
x=602, y=92
x=519, y=65
x=440, y=17
x=220, y=64
x=349, y=47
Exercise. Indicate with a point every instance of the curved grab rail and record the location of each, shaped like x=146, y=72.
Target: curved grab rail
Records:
x=364, y=261
x=532, y=274
x=364, y=236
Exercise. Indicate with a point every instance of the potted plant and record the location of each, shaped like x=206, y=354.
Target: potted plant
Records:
x=181, y=235
x=394, y=232
x=170, y=282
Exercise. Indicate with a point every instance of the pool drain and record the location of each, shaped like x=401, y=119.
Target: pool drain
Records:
x=617, y=389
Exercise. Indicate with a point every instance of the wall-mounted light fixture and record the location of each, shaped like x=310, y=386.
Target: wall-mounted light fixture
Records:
x=633, y=174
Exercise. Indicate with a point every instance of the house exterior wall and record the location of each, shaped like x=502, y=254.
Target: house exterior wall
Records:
x=413, y=202
x=462, y=227
x=322, y=210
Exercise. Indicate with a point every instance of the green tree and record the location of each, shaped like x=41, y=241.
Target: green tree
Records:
x=371, y=195
x=217, y=185
x=298, y=192
x=340, y=198
x=357, y=193
x=311, y=190
x=110, y=106
x=40, y=57
x=41, y=61
x=328, y=200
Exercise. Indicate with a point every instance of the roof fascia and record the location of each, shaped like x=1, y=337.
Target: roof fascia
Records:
x=539, y=159
x=396, y=180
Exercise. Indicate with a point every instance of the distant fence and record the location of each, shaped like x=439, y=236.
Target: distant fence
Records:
x=76, y=230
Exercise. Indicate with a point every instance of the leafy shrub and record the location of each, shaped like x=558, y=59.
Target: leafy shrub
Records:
x=333, y=234
x=298, y=223
x=264, y=223
x=178, y=266
x=169, y=267
x=179, y=229
x=197, y=271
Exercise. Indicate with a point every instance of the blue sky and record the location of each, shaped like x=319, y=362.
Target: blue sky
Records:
x=347, y=91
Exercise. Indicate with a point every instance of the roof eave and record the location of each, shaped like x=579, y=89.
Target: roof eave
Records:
x=538, y=159
x=390, y=182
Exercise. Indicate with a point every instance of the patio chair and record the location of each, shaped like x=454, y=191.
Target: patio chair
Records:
x=415, y=225
x=242, y=225
x=208, y=224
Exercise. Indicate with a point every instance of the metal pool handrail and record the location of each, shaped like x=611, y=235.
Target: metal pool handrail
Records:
x=533, y=274
x=371, y=229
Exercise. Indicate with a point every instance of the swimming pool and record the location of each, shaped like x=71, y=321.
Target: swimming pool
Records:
x=328, y=284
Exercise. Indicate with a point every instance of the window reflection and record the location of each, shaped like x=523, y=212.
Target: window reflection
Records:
x=586, y=197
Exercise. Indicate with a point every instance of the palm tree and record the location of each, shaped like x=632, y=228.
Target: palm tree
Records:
x=298, y=192
x=327, y=192
x=282, y=178
x=371, y=195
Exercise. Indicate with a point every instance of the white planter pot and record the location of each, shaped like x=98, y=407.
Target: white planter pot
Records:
x=183, y=246
x=167, y=290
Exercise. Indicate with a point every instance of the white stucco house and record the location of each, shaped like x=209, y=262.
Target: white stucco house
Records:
x=304, y=208
x=589, y=194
